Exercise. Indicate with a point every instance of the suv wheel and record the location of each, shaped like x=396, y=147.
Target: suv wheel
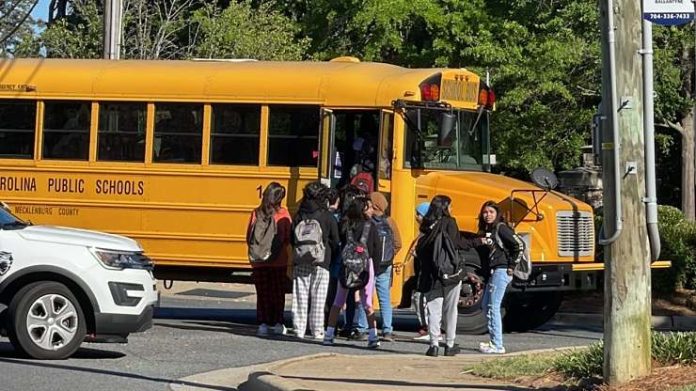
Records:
x=46, y=321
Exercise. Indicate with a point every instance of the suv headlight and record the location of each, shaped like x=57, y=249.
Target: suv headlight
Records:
x=113, y=259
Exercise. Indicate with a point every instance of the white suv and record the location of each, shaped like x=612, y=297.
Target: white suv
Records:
x=63, y=286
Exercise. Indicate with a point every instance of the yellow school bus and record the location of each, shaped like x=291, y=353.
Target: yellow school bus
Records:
x=175, y=154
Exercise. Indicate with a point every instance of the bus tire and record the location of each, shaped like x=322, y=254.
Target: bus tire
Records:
x=46, y=321
x=527, y=311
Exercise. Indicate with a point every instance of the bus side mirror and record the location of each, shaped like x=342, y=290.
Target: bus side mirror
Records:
x=446, y=125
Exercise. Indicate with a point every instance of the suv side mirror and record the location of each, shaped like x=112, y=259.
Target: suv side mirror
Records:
x=5, y=206
x=447, y=121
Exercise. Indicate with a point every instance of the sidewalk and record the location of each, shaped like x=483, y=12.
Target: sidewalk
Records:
x=342, y=372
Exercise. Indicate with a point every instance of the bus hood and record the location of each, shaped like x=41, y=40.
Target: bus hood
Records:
x=469, y=190
x=78, y=237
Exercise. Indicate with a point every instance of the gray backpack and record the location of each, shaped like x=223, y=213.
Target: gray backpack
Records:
x=262, y=242
x=523, y=265
x=309, y=243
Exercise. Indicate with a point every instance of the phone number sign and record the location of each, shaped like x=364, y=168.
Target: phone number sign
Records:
x=668, y=12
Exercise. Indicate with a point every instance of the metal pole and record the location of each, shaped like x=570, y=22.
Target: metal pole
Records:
x=112, y=29
x=649, y=134
x=616, y=141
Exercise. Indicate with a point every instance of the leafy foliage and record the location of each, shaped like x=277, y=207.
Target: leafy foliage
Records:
x=582, y=363
x=679, y=246
x=15, y=23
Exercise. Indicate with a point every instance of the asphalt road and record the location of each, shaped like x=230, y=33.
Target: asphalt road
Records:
x=194, y=334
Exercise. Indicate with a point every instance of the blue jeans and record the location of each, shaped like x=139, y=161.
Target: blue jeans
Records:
x=383, y=287
x=492, y=300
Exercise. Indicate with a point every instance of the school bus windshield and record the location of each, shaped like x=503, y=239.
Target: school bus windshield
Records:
x=466, y=148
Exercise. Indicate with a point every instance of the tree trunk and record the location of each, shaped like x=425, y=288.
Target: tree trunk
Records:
x=688, y=170
x=627, y=262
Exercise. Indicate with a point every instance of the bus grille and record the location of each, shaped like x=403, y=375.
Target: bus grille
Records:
x=575, y=233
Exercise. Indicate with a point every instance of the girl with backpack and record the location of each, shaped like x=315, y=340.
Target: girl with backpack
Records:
x=502, y=253
x=268, y=236
x=441, y=291
x=314, y=240
x=358, y=257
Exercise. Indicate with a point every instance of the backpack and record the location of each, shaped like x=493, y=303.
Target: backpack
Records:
x=448, y=264
x=262, y=241
x=355, y=269
x=386, y=240
x=309, y=243
x=523, y=267
x=364, y=182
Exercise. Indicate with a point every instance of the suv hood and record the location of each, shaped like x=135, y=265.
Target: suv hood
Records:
x=78, y=237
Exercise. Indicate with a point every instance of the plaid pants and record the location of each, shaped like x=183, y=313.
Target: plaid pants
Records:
x=270, y=294
x=310, y=287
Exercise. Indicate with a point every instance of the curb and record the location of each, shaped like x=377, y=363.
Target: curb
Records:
x=664, y=323
x=266, y=381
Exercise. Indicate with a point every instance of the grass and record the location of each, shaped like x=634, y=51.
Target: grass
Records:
x=515, y=367
x=691, y=387
x=667, y=349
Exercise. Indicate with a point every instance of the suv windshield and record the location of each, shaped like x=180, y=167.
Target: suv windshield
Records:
x=9, y=221
x=465, y=150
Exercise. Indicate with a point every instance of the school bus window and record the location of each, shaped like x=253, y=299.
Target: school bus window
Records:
x=66, y=130
x=178, y=133
x=122, y=132
x=235, y=131
x=17, y=119
x=293, y=136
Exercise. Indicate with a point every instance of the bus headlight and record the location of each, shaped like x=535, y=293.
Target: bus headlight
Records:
x=117, y=260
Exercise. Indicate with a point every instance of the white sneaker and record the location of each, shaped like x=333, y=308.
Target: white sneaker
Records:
x=492, y=350
x=279, y=329
x=373, y=343
x=319, y=336
x=484, y=345
x=262, y=331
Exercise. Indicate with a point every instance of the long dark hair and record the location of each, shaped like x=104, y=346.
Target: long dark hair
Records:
x=439, y=208
x=498, y=216
x=354, y=215
x=348, y=194
x=272, y=197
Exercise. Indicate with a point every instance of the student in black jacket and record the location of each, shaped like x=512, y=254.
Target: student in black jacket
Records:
x=356, y=224
x=503, y=253
x=441, y=298
x=311, y=280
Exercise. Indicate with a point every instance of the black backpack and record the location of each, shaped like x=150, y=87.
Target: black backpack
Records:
x=355, y=269
x=386, y=240
x=448, y=265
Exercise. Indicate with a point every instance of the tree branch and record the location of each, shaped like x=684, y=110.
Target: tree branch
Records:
x=671, y=125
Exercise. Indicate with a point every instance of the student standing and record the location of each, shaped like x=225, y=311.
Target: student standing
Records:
x=268, y=237
x=390, y=244
x=315, y=238
x=360, y=243
x=503, y=253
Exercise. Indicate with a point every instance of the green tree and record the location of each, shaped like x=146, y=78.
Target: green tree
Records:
x=15, y=23
x=241, y=31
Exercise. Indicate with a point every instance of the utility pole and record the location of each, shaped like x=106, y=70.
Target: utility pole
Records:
x=112, y=29
x=627, y=266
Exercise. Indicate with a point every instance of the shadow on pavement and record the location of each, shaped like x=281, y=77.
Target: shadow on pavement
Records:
x=7, y=351
x=44, y=364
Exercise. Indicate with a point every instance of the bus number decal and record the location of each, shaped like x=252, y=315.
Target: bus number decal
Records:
x=260, y=189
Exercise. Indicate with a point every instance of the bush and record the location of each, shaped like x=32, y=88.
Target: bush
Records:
x=678, y=238
x=582, y=363
x=667, y=349
x=674, y=348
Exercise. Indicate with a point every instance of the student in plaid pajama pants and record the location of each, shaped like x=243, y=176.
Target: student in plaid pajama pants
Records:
x=311, y=282
x=269, y=276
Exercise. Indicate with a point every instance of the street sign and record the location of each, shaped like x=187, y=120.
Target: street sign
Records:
x=668, y=12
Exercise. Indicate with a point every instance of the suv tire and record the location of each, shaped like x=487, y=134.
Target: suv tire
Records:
x=46, y=321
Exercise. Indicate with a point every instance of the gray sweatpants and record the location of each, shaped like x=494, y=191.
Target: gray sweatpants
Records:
x=441, y=306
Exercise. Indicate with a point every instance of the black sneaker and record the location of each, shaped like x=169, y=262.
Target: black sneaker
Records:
x=356, y=335
x=388, y=337
x=452, y=351
x=432, y=351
